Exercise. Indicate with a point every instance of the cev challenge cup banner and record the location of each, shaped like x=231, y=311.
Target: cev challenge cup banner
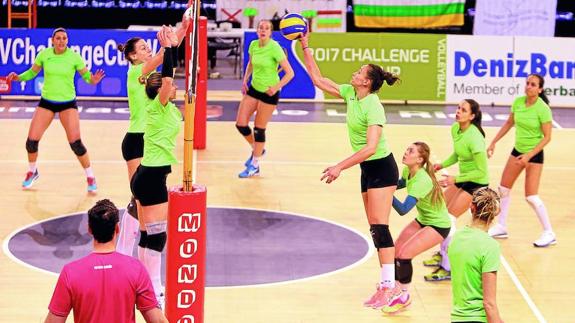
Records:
x=98, y=48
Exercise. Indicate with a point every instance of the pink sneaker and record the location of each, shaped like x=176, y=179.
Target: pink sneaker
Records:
x=374, y=297
x=92, y=187
x=397, y=303
x=383, y=298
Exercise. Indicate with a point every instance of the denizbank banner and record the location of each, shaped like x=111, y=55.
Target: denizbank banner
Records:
x=492, y=69
x=419, y=60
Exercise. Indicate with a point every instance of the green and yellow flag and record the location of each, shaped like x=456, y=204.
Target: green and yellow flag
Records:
x=408, y=13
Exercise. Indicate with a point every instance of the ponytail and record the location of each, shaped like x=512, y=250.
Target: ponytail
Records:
x=436, y=192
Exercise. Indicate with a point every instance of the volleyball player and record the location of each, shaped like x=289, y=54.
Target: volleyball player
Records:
x=142, y=63
x=262, y=96
x=149, y=182
x=474, y=259
x=379, y=174
x=469, y=152
x=531, y=116
x=428, y=229
x=60, y=64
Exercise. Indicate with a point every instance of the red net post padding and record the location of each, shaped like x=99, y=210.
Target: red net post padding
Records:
x=186, y=255
x=200, y=118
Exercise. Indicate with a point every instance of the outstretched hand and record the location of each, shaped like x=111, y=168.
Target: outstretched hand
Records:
x=164, y=41
x=95, y=78
x=330, y=174
x=304, y=39
x=12, y=77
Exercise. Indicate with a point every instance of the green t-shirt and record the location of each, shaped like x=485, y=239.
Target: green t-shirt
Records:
x=265, y=61
x=360, y=115
x=528, y=121
x=420, y=186
x=59, y=71
x=162, y=128
x=137, y=99
x=472, y=252
x=470, y=152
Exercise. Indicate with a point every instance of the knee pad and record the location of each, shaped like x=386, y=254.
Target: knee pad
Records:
x=78, y=147
x=32, y=145
x=259, y=134
x=534, y=200
x=132, y=208
x=503, y=191
x=403, y=270
x=143, y=243
x=244, y=130
x=157, y=241
x=381, y=236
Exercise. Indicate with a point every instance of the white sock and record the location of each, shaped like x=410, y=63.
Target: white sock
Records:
x=541, y=211
x=153, y=263
x=387, y=275
x=142, y=255
x=89, y=171
x=129, y=228
x=505, y=196
x=256, y=161
x=443, y=251
x=32, y=167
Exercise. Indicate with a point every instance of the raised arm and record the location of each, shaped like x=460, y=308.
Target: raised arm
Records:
x=318, y=80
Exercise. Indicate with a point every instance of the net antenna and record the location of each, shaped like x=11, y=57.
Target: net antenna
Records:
x=193, y=13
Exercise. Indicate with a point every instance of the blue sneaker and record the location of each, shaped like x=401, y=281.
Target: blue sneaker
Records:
x=250, y=171
x=92, y=187
x=249, y=161
x=30, y=179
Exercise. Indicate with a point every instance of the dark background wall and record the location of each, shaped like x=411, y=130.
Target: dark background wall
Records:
x=92, y=18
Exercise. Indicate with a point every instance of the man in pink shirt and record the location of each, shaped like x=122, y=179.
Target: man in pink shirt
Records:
x=105, y=285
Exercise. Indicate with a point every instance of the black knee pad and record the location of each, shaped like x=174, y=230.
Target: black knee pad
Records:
x=381, y=236
x=132, y=208
x=403, y=270
x=157, y=241
x=32, y=145
x=78, y=147
x=244, y=130
x=143, y=239
x=259, y=134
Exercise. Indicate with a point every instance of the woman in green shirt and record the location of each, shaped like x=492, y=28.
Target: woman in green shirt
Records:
x=142, y=64
x=365, y=120
x=149, y=182
x=474, y=259
x=531, y=116
x=60, y=65
x=469, y=152
x=429, y=228
x=262, y=96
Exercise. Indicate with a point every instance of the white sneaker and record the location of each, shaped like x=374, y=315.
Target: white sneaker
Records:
x=498, y=231
x=546, y=239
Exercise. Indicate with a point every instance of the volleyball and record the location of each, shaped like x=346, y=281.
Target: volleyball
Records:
x=293, y=26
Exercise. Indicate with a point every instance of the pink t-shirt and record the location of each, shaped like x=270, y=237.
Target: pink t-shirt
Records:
x=103, y=287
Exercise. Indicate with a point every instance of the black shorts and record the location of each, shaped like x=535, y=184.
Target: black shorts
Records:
x=378, y=173
x=444, y=232
x=148, y=184
x=57, y=106
x=133, y=145
x=263, y=96
x=470, y=187
x=537, y=159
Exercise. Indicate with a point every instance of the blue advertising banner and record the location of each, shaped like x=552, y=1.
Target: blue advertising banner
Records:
x=301, y=86
x=98, y=48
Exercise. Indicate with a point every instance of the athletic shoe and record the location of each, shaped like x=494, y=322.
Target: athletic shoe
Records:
x=249, y=161
x=434, y=261
x=382, y=298
x=250, y=171
x=546, y=239
x=438, y=275
x=498, y=231
x=397, y=303
x=30, y=179
x=92, y=187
